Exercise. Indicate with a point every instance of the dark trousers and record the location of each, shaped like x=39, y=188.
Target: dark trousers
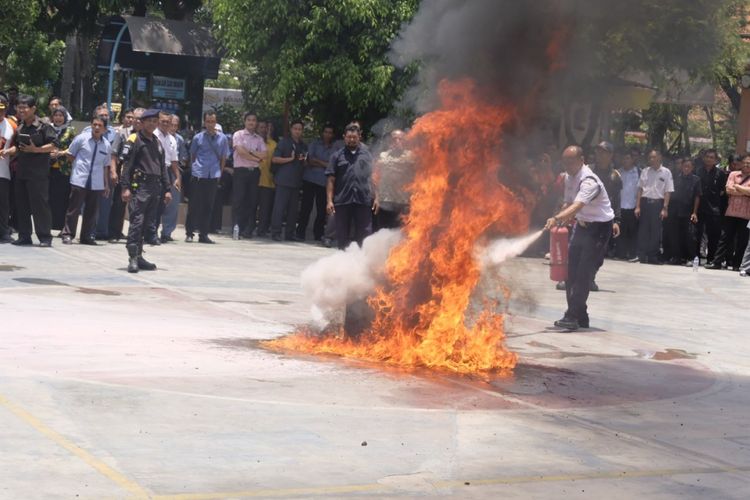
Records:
x=141, y=208
x=79, y=196
x=59, y=194
x=32, y=200
x=116, y=213
x=245, y=198
x=265, y=209
x=709, y=224
x=4, y=208
x=202, y=196
x=285, y=207
x=679, y=238
x=733, y=241
x=649, y=230
x=588, y=246
x=625, y=244
x=222, y=197
x=390, y=219
x=102, y=221
x=352, y=215
x=312, y=193
x=151, y=232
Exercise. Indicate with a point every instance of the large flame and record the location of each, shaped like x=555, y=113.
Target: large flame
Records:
x=422, y=314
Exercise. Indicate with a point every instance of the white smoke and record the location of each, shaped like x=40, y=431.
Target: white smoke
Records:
x=342, y=278
x=345, y=277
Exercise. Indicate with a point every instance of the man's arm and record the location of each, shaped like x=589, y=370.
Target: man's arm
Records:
x=564, y=215
x=329, y=194
x=665, y=208
x=638, y=202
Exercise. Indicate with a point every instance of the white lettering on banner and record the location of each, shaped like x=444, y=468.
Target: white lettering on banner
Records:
x=167, y=88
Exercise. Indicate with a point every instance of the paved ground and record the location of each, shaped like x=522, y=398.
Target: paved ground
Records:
x=116, y=386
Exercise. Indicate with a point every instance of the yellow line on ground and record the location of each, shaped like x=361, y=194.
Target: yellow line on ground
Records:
x=289, y=492
x=104, y=469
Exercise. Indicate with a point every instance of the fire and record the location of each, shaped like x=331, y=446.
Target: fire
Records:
x=422, y=312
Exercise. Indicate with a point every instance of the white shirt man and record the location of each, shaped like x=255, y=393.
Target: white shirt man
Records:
x=587, y=188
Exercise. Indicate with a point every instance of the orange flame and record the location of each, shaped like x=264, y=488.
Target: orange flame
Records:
x=421, y=313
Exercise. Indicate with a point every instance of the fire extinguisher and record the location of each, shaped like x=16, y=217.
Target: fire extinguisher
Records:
x=558, y=253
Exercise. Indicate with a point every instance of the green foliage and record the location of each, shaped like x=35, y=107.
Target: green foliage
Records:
x=229, y=117
x=327, y=58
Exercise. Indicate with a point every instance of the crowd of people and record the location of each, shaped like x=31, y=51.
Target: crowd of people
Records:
x=51, y=174
x=679, y=211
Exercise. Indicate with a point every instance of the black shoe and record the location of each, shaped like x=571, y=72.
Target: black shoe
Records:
x=23, y=242
x=205, y=239
x=294, y=238
x=584, y=322
x=6, y=239
x=45, y=244
x=634, y=260
x=262, y=234
x=166, y=239
x=560, y=285
x=133, y=265
x=569, y=324
x=713, y=265
x=189, y=238
x=113, y=240
x=246, y=235
x=594, y=287
x=276, y=237
x=67, y=240
x=326, y=242
x=144, y=264
x=154, y=242
x=88, y=242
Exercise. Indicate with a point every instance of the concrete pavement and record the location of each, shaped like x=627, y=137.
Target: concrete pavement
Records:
x=154, y=385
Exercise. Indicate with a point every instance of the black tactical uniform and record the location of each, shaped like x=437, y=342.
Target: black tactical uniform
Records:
x=145, y=174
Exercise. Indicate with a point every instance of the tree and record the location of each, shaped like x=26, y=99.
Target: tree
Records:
x=325, y=58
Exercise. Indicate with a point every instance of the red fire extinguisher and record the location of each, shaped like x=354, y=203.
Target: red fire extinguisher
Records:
x=558, y=253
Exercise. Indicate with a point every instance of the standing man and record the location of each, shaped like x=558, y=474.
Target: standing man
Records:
x=89, y=180
x=713, y=189
x=6, y=140
x=587, y=201
x=266, y=186
x=679, y=236
x=734, y=235
x=169, y=144
x=144, y=179
x=314, y=184
x=124, y=139
x=34, y=141
x=172, y=211
x=395, y=168
x=625, y=246
x=288, y=166
x=655, y=188
x=249, y=151
x=350, y=191
x=105, y=206
x=208, y=151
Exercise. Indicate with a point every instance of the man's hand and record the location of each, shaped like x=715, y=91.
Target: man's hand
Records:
x=3, y=152
x=105, y=193
x=330, y=208
x=113, y=177
x=126, y=195
x=167, y=198
x=694, y=218
x=551, y=222
x=615, y=230
x=28, y=148
x=637, y=212
x=375, y=206
x=663, y=214
x=178, y=184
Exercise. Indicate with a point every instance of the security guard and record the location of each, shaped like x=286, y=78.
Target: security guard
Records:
x=144, y=179
x=586, y=199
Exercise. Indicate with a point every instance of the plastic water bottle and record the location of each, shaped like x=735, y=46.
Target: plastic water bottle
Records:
x=236, y=232
x=696, y=264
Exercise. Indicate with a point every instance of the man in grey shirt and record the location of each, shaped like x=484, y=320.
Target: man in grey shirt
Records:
x=288, y=166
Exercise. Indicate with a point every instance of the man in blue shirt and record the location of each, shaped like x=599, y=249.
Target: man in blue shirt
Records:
x=105, y=205
x=314, y=184
x=208, y=152
x=89, y=181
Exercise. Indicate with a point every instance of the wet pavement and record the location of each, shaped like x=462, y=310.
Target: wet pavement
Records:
x=157, y=385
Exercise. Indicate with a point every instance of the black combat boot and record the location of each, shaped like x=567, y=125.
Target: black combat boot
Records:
x=133, y=262
x=143, y=263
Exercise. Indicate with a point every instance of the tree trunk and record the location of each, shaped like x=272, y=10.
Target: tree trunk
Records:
x=732, y=93
x=711, y=123
x=68, y=70
x=685, y=112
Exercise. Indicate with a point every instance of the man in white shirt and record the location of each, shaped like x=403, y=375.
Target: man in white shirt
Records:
x=169, y=143
x=652, y=206
x=6, y=139
x=587, y=201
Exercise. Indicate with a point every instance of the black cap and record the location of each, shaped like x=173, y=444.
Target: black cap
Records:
x=606, y=146
x=150, y=113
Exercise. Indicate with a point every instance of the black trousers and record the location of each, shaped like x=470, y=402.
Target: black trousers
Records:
x=141, y=208
x=202, y=197
x=222, y=197
x=32, y=200
x=312, y=193
x=116, y=213
x=733, y=241
x=390, y=219
x=265, y=209
x=679, y=238
x=710, y=224
x=245, y=198
x=588, y=246
x=59, y=194
x=79, y=196
x=625, y=244
x=649, y=230
x=352, y=215
x=285, y=207
x=4, y=208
